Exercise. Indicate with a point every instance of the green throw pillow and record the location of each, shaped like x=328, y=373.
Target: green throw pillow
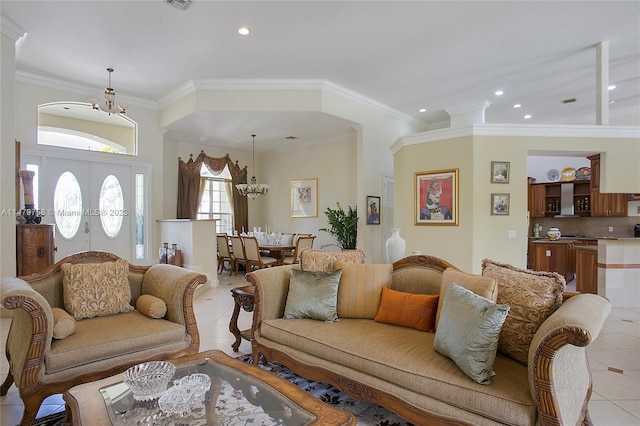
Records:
x=313, y=295
x=468, y=332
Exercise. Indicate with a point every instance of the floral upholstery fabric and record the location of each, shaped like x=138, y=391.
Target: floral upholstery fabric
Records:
x=92, y=290
x=323, y=261
x=532, y=295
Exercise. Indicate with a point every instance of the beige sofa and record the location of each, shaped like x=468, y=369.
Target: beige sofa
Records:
x=397, y=367
x=49, y=351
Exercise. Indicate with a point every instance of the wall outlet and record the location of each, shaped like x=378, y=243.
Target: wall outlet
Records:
x=611, y=229
x=511, y=234
x=548, y=253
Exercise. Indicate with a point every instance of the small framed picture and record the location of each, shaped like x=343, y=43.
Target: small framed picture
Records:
x=373, y=210
x=499, y=172
x=499, y=204
x=304, y=198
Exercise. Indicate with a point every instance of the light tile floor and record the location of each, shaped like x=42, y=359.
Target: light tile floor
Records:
x=615, y=400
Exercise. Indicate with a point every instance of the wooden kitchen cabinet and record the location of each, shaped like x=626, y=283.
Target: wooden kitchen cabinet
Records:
x=34, y=248
x=605, y=204
x=537, y=205
x=587, y=269
x=554, y=257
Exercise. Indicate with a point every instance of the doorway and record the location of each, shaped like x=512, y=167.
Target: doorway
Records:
x=94, y=204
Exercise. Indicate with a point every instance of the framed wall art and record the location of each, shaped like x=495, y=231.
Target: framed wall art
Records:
x=500, y=204
x=436, y=197
x=304, y=198
x=373, y=210
x=500, y=172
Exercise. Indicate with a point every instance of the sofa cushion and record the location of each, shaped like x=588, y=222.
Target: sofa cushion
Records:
x=361, y=288
x=63, y=324
x=532, y=295
x=313, y=294
x=102, y=338
x=96, y=289
x=151, y=306
x=408, y=310
x=468, y=332
x=482, y=286
x=404, y=357
x=319, y=260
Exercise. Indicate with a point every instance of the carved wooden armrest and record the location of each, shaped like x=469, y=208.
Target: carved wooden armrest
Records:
x=558, y=347
x=31, y=330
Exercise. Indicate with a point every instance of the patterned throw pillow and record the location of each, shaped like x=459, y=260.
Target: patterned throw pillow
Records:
x=533, y=297
x=408, y=309
x=95, y=290
x=318, y=260
x=361, y=288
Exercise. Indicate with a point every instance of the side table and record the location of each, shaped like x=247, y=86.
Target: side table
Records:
x=243, y=298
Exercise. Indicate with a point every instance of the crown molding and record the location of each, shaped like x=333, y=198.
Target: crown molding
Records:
x=534, y=130
x=10, y=28
x=78, y=89
x=284, y=84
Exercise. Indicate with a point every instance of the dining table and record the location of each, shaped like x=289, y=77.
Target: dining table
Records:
x=277, y=251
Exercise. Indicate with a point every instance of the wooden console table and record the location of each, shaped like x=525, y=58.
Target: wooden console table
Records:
x=243, y=298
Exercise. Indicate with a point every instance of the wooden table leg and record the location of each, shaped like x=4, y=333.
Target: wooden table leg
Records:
x=243, y=298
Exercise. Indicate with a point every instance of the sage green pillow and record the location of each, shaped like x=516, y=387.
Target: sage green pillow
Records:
x=313, y=294
x=468, y=332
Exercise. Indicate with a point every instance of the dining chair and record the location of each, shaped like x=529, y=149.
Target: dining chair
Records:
x=253, y=256
x=224, y=254
x=304, y=241
x=237, y=245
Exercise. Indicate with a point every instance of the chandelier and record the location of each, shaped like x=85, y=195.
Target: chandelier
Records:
x=253, y=189
x=109, y=106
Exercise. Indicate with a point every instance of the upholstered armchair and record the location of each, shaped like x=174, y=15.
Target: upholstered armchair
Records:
x=65, y=332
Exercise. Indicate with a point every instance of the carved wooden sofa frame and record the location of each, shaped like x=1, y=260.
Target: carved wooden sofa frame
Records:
x=30, y=338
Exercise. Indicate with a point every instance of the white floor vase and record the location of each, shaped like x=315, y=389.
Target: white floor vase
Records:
x=395, y=246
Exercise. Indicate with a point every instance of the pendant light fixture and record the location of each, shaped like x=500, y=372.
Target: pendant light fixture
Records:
x=253, y=189
x=109, y=106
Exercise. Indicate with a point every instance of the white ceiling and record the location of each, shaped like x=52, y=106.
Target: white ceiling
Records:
x=406, y=55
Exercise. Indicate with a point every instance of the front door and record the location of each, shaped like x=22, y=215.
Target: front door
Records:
x=92, y=204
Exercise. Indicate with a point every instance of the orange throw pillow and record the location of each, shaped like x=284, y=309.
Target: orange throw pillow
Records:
x=408, y=309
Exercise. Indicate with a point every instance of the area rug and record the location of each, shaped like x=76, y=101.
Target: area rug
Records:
x=365, y=413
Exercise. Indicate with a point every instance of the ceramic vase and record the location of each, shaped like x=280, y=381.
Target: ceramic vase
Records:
x=554, y=233
x=395, y=246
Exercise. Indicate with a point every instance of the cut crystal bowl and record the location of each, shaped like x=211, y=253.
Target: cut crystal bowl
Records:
x=148, y=380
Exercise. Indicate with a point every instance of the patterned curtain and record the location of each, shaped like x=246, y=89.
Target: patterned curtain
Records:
x=189, y=193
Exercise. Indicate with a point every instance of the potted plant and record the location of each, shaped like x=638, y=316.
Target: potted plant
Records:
x=343, y=225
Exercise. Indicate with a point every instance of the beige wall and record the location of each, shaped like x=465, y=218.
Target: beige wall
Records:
x=7, y=158
x=479, y=234
x=330, y=161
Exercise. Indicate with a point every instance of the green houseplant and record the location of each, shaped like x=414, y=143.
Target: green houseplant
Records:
x=343, y=226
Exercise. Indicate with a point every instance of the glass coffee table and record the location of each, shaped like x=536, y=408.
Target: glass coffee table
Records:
x=240, y=393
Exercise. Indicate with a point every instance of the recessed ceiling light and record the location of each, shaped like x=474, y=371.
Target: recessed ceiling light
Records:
x=612, y=101
x=422, y=110
x=517, y=105
x=611, y=87
x=243, y=31
x=499, y=93
x=528, y=116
